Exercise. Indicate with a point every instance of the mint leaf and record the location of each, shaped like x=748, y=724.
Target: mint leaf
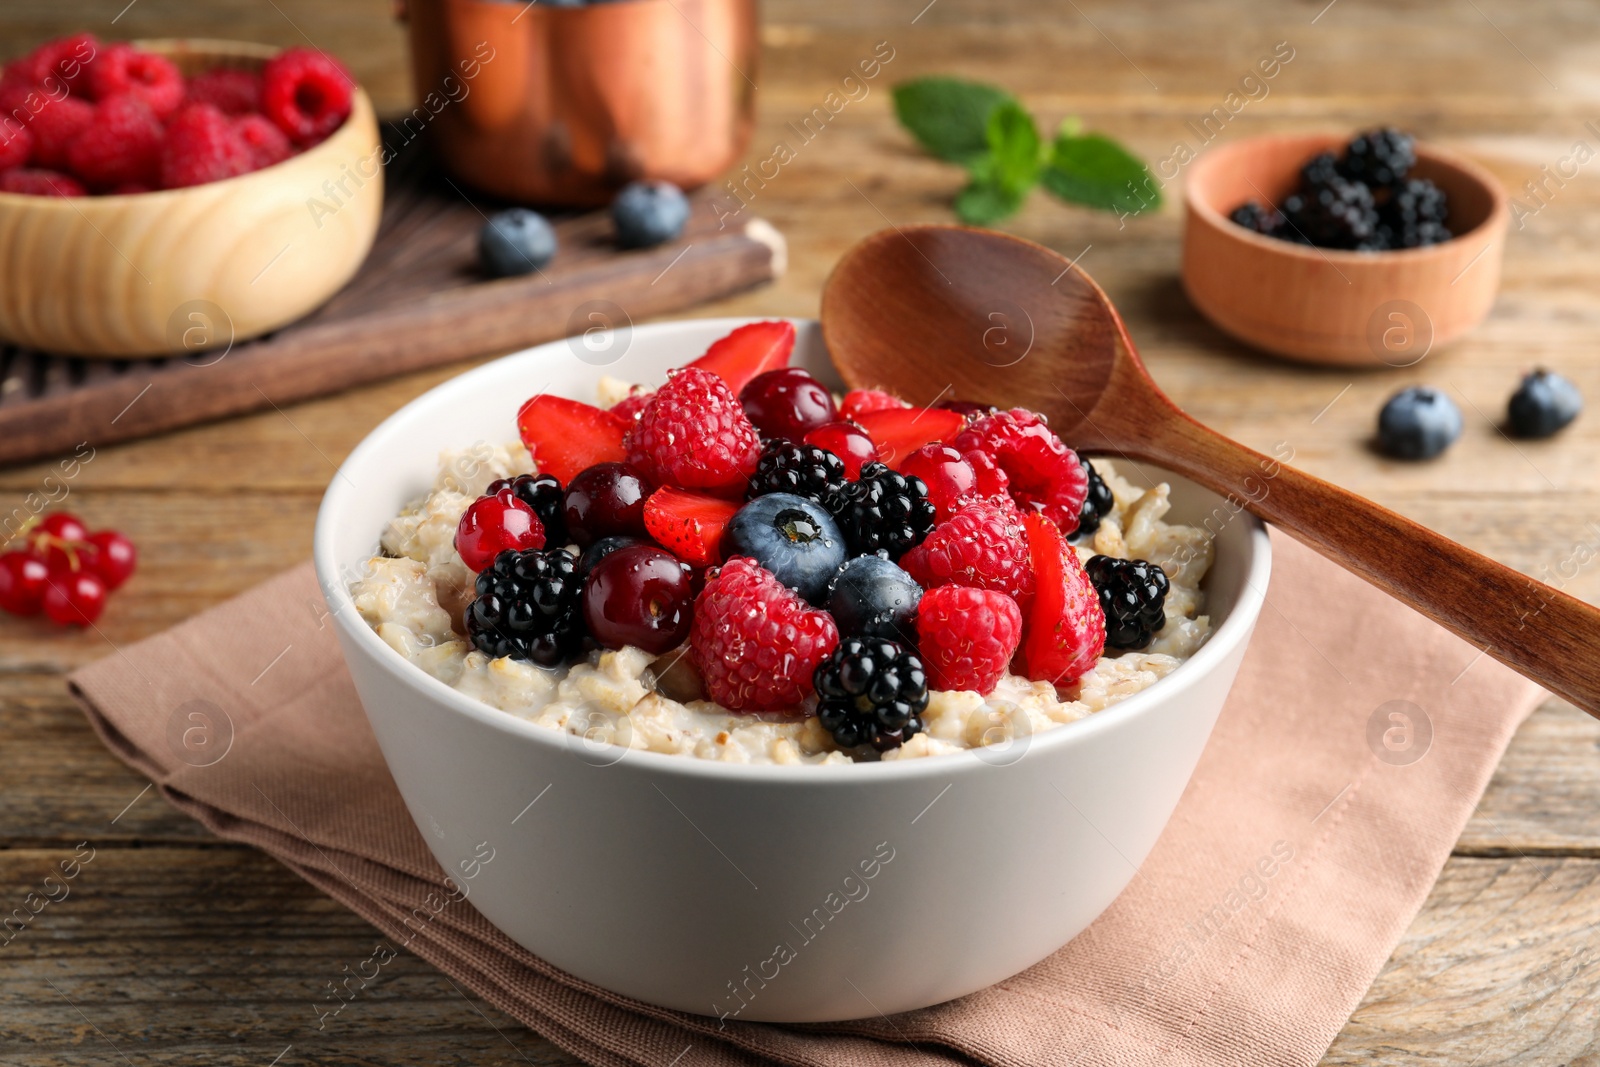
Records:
x=986, y=201
x=948, y=116
x=1013, y=146
x=1093, y=169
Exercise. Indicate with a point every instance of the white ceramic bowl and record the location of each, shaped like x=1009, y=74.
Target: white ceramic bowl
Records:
x=725, y=889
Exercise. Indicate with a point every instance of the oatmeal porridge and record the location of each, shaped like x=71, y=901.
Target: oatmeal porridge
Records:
x=803, y=604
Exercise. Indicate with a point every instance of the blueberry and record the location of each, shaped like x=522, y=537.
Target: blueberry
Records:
x=794, y=538
x=603, y=548
x=649, y=213
x=871, y=597
x=1418, y=423
x=517, y=241
x=1543, y=404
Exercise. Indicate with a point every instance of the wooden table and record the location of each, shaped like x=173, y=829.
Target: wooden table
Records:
x=175, y=948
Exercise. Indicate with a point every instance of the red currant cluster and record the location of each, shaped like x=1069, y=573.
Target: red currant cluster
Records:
x=64, y=569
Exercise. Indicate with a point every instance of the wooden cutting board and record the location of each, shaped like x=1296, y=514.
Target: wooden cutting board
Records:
x=418, y=301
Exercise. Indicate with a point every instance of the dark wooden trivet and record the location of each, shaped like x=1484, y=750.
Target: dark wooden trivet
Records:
x=418, y=301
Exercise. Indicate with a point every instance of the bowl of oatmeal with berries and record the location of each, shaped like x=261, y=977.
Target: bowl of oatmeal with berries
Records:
x=704, y=587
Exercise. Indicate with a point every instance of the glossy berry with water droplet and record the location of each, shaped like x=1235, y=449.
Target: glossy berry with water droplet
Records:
x=639, y=596
x=787, y=403
x=847, y=441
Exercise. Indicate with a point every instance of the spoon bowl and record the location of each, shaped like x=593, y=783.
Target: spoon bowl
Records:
x=931, y=312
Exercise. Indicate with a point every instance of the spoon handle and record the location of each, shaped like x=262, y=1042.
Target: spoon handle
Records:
x=1537, y=630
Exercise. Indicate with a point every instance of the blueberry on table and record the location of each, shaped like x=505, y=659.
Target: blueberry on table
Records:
x=792, y=537
x=649, y=213
x=1543, y=404
x=1418, y=422
x=515, y=241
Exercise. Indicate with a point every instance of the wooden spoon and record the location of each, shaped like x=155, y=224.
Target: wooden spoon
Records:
x=987, y=317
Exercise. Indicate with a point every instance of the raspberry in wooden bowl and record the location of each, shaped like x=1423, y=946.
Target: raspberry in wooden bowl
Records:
x=143, y=214
x=1372, y=302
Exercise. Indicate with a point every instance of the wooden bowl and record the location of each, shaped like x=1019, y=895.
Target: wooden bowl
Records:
x=1326, y=306
x=177, y=271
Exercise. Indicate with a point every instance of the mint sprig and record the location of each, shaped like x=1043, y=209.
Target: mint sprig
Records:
x=989, y=132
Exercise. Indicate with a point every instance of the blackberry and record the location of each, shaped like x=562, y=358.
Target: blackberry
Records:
x=528, y=607
x=1340, y=214
x=1321, y=170
x=1259, y=218
x=1133, y=596
x=884, y=510
x=542, y=493
x=801, y=470
x=1416, y=214
x=1380, y=158
x=871, y=691
x=1097, y=503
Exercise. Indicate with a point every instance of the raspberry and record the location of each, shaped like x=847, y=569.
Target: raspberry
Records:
x=202, y=146
x=756, y=643
x=33, y=181
x=967, y=636
x=307, y=93
x=66, y=59
x=860, y=401
x=982, y=547
x=55, y=126
x=267, y=143
x=230, y=91
x=124, y=69
x=121, y=145
x=16, y=144
x=1044, y=474
x=695, y=435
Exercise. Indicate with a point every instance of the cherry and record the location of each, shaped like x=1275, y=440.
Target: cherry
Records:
x=74, y=598
x=606, y=500
x=112, y=557
x=951, y=480
x=847, y=441
x=641, y=596
x=787, y=403
x=493, y=524
x=22, y=582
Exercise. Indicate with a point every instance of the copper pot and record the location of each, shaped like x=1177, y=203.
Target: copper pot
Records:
x=563, y=105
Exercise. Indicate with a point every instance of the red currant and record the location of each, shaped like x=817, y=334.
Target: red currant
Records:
x=112, y=557
x=787, y=403
x=847, y=441
x=495, y=523
x=606, y=500
x=59, y=539
x=22, y=582
x=641, y=596
x=74, y=598
x=951, y=480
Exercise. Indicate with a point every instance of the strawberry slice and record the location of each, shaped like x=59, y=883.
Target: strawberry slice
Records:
x=898, y=432
x=748, y=351
x=1065, y=630
x=565, y=436
x=689, y=525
